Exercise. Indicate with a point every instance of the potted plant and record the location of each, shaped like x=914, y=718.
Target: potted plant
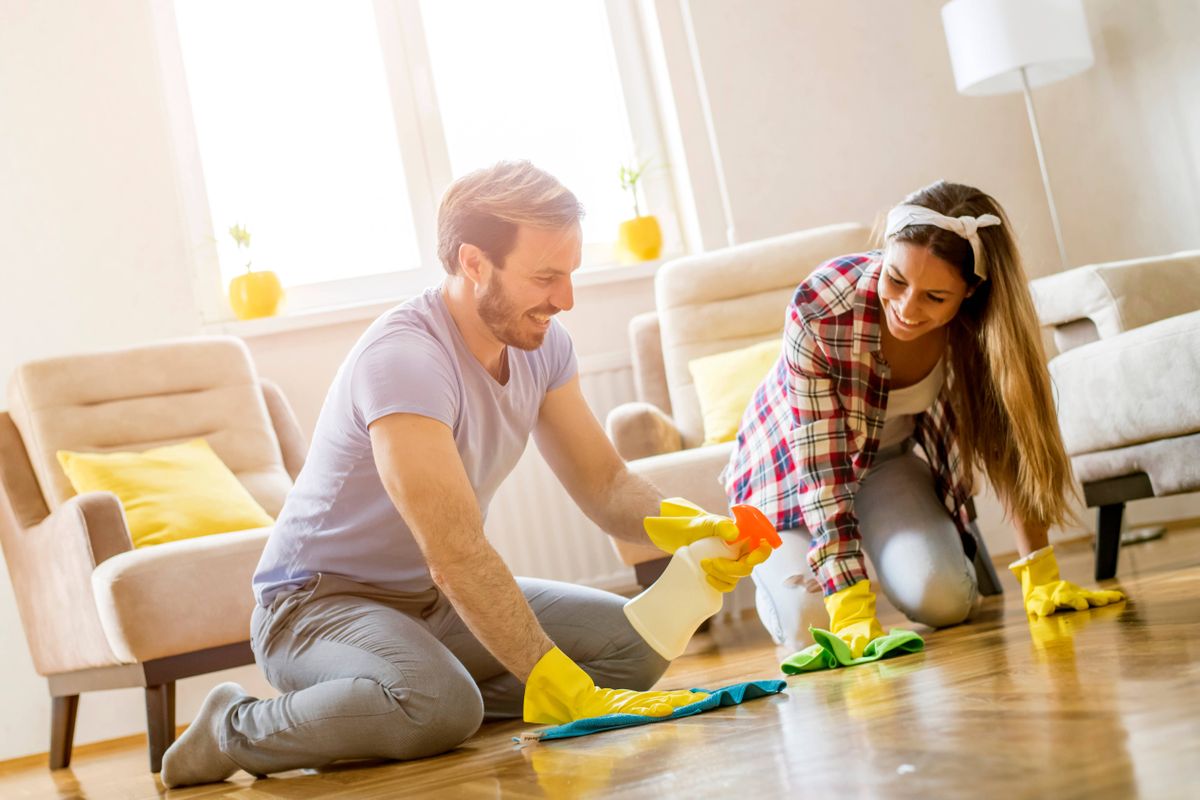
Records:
x=253, y=294
x=640, y=238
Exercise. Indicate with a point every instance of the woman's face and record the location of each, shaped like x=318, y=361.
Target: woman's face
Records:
x=919, y=292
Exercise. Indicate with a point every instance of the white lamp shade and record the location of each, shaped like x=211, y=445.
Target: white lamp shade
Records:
x=991, y=40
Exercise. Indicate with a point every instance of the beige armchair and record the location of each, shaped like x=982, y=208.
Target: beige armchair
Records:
x=705, y=304
x=1127, y=381
x=97, y=613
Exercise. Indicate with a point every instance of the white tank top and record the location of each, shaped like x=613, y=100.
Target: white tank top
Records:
x=904, y=404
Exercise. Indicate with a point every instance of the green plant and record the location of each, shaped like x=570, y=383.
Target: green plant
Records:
x=630, y=176
x=241, y=237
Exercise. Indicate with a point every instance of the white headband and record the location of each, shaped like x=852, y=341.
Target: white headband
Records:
x=902, y=216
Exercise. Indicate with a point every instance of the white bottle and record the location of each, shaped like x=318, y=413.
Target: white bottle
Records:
x=669, y=612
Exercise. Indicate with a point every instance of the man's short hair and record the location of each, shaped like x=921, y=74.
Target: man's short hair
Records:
x=485, y=207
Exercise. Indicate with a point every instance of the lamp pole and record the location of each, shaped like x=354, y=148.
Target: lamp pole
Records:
x=1037, y=144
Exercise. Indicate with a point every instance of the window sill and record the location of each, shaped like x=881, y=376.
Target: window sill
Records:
x=583, y=278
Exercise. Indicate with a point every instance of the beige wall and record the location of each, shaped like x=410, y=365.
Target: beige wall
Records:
x=91, y=255
x=832, y=111
x=824, y=113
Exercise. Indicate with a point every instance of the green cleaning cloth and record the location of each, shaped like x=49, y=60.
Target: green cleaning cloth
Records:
x=728, y=696
x=830, y=652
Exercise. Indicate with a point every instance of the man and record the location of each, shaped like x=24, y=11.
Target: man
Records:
x=388, y=621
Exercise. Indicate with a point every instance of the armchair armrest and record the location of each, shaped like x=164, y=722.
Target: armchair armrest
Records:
x=287, y=428
x=640, y=429
x=51, y=565
x=1103, y=300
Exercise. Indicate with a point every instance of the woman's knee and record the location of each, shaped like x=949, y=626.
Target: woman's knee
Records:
x=940, y=601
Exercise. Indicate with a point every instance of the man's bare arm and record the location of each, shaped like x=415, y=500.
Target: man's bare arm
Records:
x=589, y=467
x=424, y=476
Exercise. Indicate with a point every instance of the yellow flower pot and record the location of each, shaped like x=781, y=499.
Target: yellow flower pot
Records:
x=639, y=239
x=255, y=294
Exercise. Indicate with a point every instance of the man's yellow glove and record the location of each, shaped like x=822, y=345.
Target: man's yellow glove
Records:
x=723, y=573
x=1045, y=592
x=683, y=522
x=558, y=691
x=852, y=616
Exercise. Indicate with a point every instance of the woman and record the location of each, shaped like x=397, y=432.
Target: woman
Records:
x=931, y=342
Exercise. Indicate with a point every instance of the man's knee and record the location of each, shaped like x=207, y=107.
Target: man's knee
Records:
x=433, y=719
x=647, y=670
x=640, y=666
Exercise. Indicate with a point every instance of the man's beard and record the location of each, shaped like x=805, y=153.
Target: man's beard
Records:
x=502, y=318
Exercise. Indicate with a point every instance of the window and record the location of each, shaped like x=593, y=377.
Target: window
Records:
x=543, y=85
x=330, y=129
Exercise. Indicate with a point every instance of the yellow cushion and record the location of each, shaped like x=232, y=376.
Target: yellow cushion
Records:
x=169, y=493
x=725, y=384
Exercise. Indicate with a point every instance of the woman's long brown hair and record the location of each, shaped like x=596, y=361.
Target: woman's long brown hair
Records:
x=1004, y=412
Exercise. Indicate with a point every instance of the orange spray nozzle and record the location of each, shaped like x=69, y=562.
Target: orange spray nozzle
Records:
x=754, y=527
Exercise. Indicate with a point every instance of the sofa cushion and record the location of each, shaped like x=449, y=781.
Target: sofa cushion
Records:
x=1171, y=464
x=168, y=493
x=1133, y=388
x=179, y=597
x=725, y=385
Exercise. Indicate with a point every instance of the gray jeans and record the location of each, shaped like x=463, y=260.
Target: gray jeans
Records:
x=368, y=673
x=910, y=539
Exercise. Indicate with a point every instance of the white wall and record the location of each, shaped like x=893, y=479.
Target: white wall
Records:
x=823, y=112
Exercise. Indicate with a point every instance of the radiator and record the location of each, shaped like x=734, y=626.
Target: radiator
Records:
x=532, y=521
x=541, y=533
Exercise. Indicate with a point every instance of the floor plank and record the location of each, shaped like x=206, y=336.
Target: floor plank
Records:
x=1097, y=704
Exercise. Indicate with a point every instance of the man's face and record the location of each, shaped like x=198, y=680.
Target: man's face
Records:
x=516, y=302
x=919, y=292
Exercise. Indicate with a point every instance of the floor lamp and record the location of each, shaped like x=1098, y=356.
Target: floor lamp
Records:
x=1001, y=46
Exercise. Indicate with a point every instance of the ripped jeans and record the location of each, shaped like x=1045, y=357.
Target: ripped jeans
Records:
x=910, y=539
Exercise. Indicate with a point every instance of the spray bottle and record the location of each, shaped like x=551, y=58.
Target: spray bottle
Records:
x=669, y=612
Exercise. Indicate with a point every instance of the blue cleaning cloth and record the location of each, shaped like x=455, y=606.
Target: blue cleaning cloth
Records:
x=729, y=696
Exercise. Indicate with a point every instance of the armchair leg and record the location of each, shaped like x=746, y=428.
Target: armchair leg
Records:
x=1108, y=540
x=648, y=572
x=985, y=571
x=62, y=729
x=160, y=721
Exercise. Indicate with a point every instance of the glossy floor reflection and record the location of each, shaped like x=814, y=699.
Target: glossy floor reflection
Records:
x=1104, y=703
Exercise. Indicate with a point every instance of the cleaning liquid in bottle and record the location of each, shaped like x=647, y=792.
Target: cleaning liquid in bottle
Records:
x=668, y=613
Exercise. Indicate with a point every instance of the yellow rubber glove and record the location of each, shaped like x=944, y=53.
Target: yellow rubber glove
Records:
x=723, y=573
x=852, y=616
x=558, y=692
x=683, y=522
x=1045, y=592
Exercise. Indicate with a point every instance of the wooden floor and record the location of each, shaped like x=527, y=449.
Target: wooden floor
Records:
x=1091, y=705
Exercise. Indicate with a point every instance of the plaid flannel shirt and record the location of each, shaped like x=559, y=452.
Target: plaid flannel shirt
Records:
x=812, y=430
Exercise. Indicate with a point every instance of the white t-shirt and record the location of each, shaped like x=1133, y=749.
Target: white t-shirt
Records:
x=338, y=518
x=904, y=404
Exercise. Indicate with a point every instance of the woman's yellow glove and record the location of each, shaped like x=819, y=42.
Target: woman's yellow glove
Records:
x=683, y=522
x=558, y=691
x=1044, y=592
x=852, y=616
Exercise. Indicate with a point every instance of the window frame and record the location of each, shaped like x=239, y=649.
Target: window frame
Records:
x=423, y=151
